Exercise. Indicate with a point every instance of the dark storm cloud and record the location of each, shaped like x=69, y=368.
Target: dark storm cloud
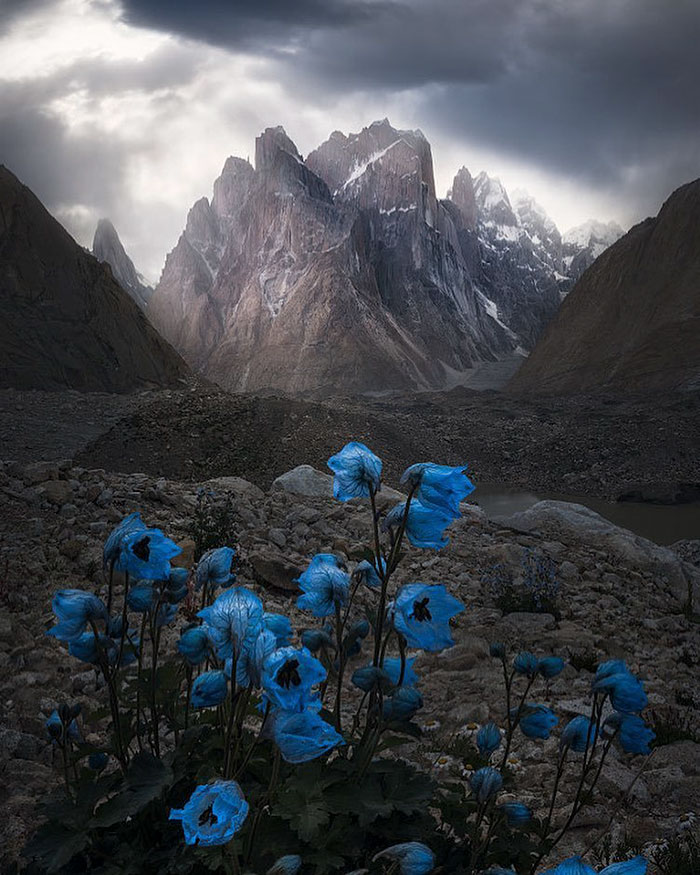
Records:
x=11, y=10
x=605, y=93
x=246, y=24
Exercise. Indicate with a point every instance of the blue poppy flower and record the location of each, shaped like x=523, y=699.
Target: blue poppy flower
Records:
x=572, y=866
x=213, y=814
x=439, y=486
x=635, y=866
x=290, y=864
x=370, y=677
x=324, y=585
x=214, y=567
x=233, y=621
x=403, y=704
x=488, y=739
x=85, y=648
x=536, y=721
x=289, y=676
x=357, y=472
x=54, y=726
x=577, y=734
x=526, y=663
x=194, y=644
x=112, y=546
x=392, y=666
x=98, y=761
x=425, y=526
x=632, y=732
x=516, y=813
x=550, y=666
x=165, y=615
x=413, y=858
x=251, y=662
x=303, y=736
x=612, y=666
x=176, y=590
x=625, y=691
x=145, y=554
x=75, y=609
x=280, y=627
x=367, y=573
x=497, y=650
x=422, y=613
x=314, y=639
x=209, y=689
x=486, y=783
x=141, y=597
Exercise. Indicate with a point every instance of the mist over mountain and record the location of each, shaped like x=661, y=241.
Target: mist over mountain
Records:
x=347, y=271
x=65, y=322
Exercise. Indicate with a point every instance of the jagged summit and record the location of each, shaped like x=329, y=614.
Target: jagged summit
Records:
x=65, y=322
x=342, y=160
x=345, y=272
x=106, y=246
x=584, y=243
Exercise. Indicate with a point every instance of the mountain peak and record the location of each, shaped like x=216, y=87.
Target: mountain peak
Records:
x=462, y=196
x=106, y=246
x=269, y=143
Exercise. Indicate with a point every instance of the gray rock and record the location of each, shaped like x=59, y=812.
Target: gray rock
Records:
x=305, y=480
x=577, y=524
x=274, y=570
x=56, y=491
x=238, y=486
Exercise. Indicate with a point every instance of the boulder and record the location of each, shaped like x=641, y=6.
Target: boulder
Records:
x=575, y=524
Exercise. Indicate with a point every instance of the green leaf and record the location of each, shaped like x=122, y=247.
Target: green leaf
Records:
x=55, y=845
x=146, y=779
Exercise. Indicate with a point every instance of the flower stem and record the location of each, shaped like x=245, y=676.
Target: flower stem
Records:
x=341, y=668
x=274, y=778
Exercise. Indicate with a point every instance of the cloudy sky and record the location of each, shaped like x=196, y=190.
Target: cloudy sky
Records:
x=128, y=108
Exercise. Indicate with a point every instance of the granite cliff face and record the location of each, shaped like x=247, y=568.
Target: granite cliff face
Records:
x=346, y=272
x=343, y=271
x=65, y=322
x=632, y=322
x=106, y=246
x=513, y=251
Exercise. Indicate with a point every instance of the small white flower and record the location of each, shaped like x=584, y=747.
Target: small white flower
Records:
x=686, y=821
x=443, y=762
x=468, y=731
x=430, y=725
x=514, y=764
x=655, y=847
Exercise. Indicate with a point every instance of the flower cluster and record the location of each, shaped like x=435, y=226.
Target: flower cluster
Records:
x=258, y=699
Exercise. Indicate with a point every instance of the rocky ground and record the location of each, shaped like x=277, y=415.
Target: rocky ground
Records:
x=596, y=446
x=619, y=596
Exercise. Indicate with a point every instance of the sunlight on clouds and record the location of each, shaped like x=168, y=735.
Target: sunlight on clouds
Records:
x=172, y=110
x=42, y=43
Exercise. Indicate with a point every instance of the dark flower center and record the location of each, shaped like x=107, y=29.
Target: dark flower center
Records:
x=207, y=817
x=289, y=674
x=420, y=610
x=141, y=549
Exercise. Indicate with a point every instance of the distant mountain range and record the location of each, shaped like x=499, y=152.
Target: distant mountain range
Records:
x=65, y=322
x=632, y=322
x=346, y=272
